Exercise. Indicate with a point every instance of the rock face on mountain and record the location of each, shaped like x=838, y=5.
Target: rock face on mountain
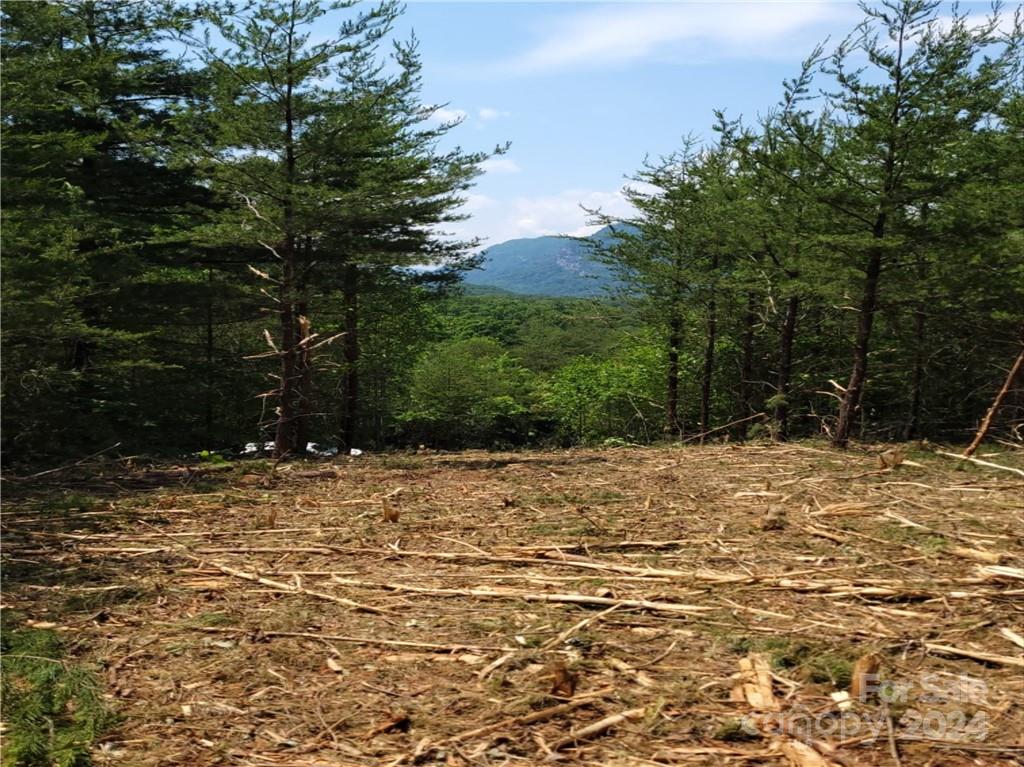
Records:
x=545, y=266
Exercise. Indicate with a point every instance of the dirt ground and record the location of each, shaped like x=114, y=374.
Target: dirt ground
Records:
x=697, y=605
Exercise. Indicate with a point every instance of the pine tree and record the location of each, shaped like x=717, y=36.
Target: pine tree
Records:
x=267, y=92
x=89, y=204
x=890, y=122
x=325, y=151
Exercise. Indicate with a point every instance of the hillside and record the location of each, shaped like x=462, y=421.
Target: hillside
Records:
x=545, y=266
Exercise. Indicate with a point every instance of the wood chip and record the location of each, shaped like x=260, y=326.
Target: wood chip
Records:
x=754, y=684
x=802, y=755
x=990, y=557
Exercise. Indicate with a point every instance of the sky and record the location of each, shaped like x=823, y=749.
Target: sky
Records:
x=585, y=91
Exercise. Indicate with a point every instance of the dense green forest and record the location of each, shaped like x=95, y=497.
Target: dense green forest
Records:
x=218, y=229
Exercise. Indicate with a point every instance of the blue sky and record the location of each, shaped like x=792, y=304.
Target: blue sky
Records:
x=585, y=90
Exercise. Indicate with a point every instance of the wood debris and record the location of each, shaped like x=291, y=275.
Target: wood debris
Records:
x=298, y=629
x=754, y=683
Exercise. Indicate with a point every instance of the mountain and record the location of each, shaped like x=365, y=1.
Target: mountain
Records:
x=545, y=266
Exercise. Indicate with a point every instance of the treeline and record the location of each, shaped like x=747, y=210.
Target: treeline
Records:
x=221, y=226
x=853, y=262
x=197, y=196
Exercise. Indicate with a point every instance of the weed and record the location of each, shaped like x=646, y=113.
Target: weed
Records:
x=928, y=543
x=91, y=601
x=214, y=619
x=207, y=456
x=69, y=501
x=814, y=663
x=830, y=668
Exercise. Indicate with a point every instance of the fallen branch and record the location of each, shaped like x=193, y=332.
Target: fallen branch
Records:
x=562, y=561
x=994, y=408
x=276, y=585
x=981, y=462
x=1002, y=660
x=719, y=428
x=526, y=596
x=551, y=643
x=531, y=718
x=425, y=646
x=598, y=728
x=65, y=467
x=292, y=589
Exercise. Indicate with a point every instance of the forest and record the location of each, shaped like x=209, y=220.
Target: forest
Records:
x=282, y=487
x=211, y=240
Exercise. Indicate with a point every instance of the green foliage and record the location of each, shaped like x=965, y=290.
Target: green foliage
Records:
x=594, y=399
x=90, y=206
x=177, y=228
x=53, y=709
x=469, y=393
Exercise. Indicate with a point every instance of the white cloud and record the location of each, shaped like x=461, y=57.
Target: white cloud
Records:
x=478, y=202
x=628, y=32
x=486, y=114
x=500, y=165
x=496, y=221
x=446, y=115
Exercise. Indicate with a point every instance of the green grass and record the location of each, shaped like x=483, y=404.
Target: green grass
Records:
x=69, y=501
x=927, y=542
x=811, y=662
x=213, y=619
x=91, y=601
x=53, y=708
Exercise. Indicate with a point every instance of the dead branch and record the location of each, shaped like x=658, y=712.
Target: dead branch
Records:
x=978, y=461
x=1002, y=660
x=426, y=646
x=293, y=589
x=598, y=728
x=526, y=596
x=997, y=403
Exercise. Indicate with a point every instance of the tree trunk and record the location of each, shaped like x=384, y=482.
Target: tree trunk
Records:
x=304, y=374
x=675, y=336
x=785, y=374
x=850, y=406
x=747, y=366
x=285, y=434
x=209, y=360
x=869, y=303
x=917, y=377
x=709, y=368
x=350, y=345
x=304, y=358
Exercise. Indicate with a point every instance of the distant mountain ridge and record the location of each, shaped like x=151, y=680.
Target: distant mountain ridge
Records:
x=545, y=266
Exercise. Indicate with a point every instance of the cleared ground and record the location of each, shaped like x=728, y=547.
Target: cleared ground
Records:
x=708, y=600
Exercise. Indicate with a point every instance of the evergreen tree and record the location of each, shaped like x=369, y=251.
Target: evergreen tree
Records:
x=90, y=210
x=921, y=94
x=333, y=174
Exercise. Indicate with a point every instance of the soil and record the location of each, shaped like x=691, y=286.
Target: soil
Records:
x=628, y=606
